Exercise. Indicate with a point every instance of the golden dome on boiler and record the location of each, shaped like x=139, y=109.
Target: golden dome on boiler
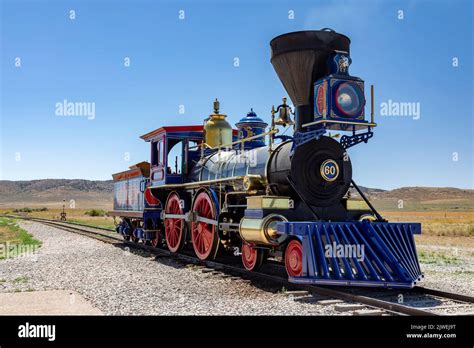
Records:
x=217, y=130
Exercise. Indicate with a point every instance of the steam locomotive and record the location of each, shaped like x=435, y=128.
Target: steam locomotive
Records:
x=260, y=193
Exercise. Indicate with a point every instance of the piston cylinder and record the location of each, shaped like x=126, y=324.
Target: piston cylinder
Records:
x=262, y=231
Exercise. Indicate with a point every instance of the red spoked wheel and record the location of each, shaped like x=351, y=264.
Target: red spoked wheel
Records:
x=203, y=233
x=134, y=239
x=174, y=227
x=294, y=258
x=252, y=258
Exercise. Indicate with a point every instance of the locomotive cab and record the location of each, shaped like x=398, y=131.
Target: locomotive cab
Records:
x=173, y=152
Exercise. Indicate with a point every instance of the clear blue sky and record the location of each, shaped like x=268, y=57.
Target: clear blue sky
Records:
x=190, y=62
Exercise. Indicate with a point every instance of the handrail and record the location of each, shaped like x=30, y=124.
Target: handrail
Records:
x=200, y=183
x=274, y=131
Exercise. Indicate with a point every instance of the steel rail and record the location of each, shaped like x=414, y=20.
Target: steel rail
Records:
x=444, y=294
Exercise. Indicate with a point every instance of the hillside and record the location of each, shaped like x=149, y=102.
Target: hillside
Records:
x=87, y=193
x=425, y=193
x=422, y=198
x=51, y=192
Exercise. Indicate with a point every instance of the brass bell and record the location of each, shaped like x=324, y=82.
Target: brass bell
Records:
x=284, y=114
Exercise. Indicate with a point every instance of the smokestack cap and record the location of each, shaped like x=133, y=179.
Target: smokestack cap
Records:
x=300, y=58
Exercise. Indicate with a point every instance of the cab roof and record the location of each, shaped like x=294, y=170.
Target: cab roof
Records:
x=184, y=131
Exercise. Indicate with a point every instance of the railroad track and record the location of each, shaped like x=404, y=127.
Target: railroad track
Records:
x=357, y=301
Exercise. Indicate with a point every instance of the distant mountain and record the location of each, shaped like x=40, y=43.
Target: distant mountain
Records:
x=51, y=192
x=417, y=193
x=420, y=198
x=45, y=185
x=427, y=193
x=89, y=193
x=366, y=191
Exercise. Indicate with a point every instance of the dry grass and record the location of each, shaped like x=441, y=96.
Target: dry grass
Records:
x=447, y=238
x=8, y=235
x=73, y=215
x=444, y=241
x=438, y=223
x=99, y=203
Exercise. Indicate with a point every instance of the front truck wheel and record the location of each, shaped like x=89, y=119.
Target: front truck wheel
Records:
x=294, y=258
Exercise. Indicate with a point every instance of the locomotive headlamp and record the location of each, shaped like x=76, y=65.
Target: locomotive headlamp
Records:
x=349, y=99
x=340, y=100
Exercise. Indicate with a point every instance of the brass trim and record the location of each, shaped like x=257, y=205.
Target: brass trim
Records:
x=252, y=182
x=372, y=103
x=368, y=217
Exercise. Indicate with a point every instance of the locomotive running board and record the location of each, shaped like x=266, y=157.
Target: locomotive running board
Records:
x=359, y=253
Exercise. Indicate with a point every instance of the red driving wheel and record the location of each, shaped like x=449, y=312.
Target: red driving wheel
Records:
x=203, y=234
x=294, y=258
x=252, y=258
x=174, y=227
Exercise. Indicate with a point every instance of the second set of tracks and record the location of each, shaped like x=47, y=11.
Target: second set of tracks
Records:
x=417, y=301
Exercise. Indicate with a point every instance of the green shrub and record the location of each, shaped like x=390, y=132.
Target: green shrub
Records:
x=23, y=210
x=29, y=210
x=95, y=212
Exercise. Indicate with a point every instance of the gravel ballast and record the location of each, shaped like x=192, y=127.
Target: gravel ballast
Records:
x=119, y=282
